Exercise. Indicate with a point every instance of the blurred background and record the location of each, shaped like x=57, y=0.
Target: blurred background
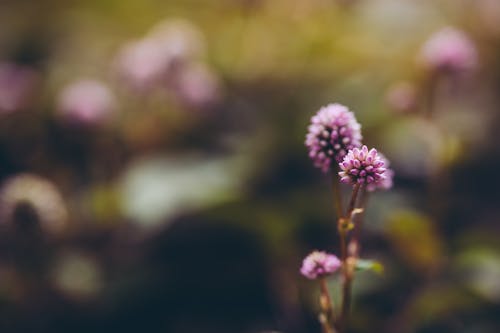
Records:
x=155, y=178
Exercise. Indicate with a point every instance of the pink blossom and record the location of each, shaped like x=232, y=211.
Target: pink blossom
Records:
x=86, y=102
x=333, y=131
x=449, y=49
x=318, y=264
x=362, y=166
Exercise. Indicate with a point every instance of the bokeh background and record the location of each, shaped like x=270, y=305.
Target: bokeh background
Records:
x=155, y=177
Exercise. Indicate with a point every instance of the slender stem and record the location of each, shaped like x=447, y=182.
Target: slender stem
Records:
x=346, y=302
x=352, y=202
x=326, y=327
x=354, y=244
x=326, y=306
x=347, y=264
x=343, y=243
x=343, y=223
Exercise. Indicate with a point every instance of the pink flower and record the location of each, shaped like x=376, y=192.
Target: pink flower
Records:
x=318, y=264
x=86, y=102
x=361, y=166
x=197, y=86
x=150, y=62
x=333, y=131
x=142, y=64
x=450, y=50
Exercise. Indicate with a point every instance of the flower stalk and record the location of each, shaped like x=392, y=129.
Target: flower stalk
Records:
x=345, y=224
x=327, y=316
x=334, y=142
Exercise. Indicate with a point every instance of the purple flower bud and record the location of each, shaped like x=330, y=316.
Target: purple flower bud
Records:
x=86, y=102
x=449, y=50
x=362, y=166
x=333, y=131
x=387, y=182
x=318, y=264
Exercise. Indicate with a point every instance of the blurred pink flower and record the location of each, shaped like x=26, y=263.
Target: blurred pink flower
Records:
x=362, y=166
x=318, y=264
x=17, y=85
x=142, y=64
x=333, y=131
x=401, y=97
x=449, y=49
x=86, y=102
x=197, y=86
x=179, y=38
x=152, y=60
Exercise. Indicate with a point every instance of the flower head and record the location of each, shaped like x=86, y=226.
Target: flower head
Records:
x=361, y=166
x=332, y=133
x=87, y=102
x=150, y=62
x=319, y=263
x=142, y=64
x=387, y=182
x=449, y=49
x=197, y=86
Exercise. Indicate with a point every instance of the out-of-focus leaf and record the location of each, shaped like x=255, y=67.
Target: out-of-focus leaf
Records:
x=414, y=146
x=156, y=188
x=434, y=302
x=415, y=239
x=77, y=276
x=369, y=265
x=479, y=268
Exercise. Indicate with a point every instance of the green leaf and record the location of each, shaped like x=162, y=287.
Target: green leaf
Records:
x=372, y=265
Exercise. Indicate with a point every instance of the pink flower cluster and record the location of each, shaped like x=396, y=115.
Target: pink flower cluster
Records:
x=318, y=264
x=361, y=166
x=170, y=59
x=334, y=136
x=333, y=132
